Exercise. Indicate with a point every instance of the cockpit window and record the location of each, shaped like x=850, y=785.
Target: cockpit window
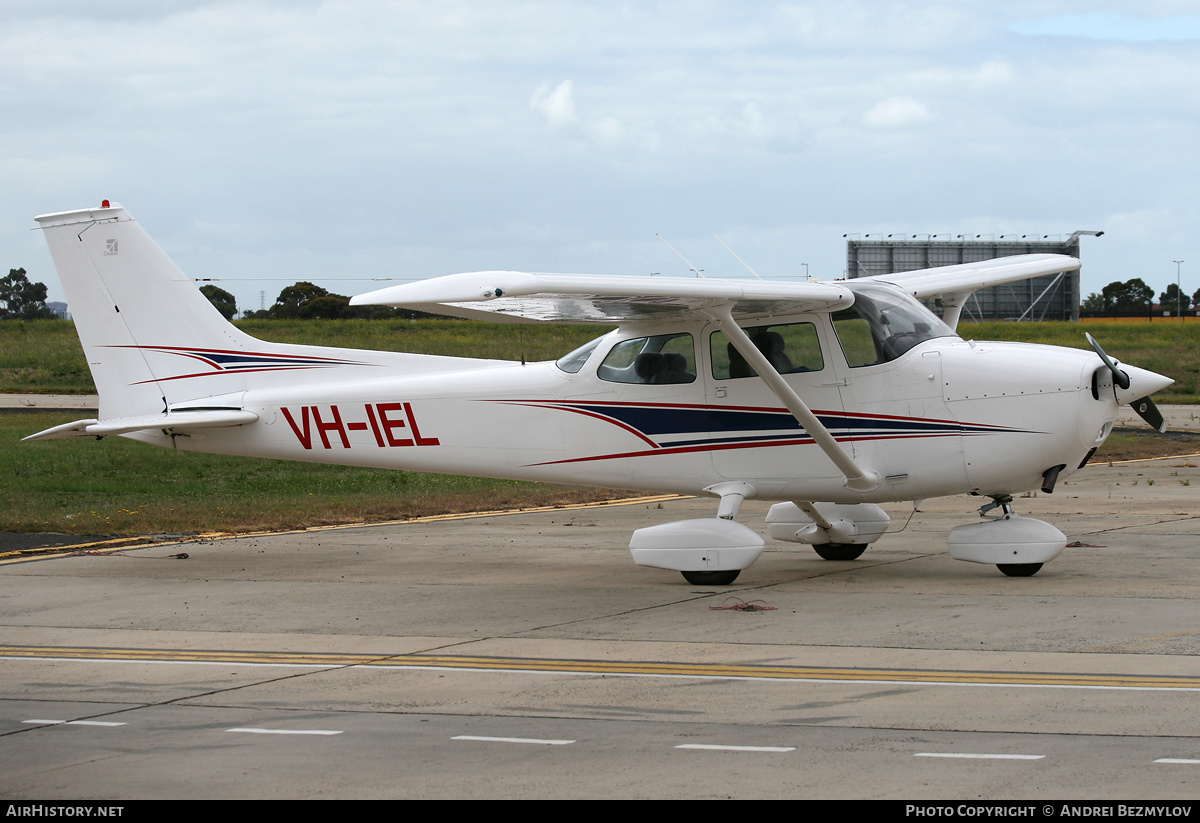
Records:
x=664, y=358
x=883, y=324
x=790, y=348
x=574, y=361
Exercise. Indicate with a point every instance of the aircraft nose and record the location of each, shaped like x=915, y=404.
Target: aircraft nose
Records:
x=1142, y=383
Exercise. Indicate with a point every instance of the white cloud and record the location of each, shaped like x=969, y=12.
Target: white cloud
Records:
x=556, y=105
x=897, y=113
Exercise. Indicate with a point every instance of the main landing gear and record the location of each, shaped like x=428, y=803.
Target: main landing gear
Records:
x=839, y=551
x=712, y=551
x=836, y=531
x=1018, y=546
x=709, y=551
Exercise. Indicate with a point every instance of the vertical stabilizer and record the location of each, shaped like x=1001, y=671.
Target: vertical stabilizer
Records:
x=143, y=324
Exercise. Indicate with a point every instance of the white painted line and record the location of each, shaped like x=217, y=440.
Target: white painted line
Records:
x=285, y=731
x=72, y=723
x=1182, y=760
x=513, y=740
x=710, y=747
x=92, y=723
x=982, y=756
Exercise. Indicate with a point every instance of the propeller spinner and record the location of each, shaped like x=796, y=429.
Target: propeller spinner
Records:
x=1144, y=407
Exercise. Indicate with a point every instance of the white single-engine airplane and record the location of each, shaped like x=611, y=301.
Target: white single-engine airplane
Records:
x=830, y=397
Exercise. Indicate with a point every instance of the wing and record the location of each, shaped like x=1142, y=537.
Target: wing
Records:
x=511, y=296
x=965, y=278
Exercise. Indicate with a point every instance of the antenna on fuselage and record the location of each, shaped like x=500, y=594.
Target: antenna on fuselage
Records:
x=735, y=254
x=681, y=257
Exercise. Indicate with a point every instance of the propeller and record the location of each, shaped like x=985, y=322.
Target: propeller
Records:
x=1149, y=412
x=1119, y=377
x=1144, y=407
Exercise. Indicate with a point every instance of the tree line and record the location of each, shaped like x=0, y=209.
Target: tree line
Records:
x=21, y=299
x=1134, y=298
x=305, y=301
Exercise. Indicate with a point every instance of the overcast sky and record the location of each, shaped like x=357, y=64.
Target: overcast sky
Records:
x=344, y=142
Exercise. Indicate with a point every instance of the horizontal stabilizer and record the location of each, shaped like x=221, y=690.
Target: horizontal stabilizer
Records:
x=175, y=421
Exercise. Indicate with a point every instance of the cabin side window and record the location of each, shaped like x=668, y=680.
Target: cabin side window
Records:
x=858, y=344
x=573, y=362
x=791, y=348
x=663, y=358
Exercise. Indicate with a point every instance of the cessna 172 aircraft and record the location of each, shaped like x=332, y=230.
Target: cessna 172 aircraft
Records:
x=829, y=397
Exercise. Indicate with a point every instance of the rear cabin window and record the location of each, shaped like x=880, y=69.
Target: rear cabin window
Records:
x=791, y=348
x=664, y=358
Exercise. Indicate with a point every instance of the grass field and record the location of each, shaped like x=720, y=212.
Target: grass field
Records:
x=1163, y=346
x=118, y=486
x=44, y=356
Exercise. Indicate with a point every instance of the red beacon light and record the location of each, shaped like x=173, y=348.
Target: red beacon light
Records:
x=104, y=204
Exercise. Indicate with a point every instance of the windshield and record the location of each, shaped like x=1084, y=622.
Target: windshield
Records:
x=883, y=324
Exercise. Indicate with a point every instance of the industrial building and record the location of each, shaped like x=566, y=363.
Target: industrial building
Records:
x=1054, y=297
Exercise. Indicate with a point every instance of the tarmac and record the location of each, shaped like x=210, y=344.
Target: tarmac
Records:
x=524, y=655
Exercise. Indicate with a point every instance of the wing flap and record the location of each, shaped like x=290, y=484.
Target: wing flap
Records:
x=603, y=299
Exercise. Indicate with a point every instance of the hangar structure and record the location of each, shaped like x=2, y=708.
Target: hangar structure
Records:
x=1053, y=297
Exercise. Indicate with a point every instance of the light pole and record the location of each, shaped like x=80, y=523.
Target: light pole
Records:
x=1178, y=292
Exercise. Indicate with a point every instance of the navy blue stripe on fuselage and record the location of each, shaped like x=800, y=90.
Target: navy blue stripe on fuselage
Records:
x=684, y=428
x=659, y=421
x=664, y=422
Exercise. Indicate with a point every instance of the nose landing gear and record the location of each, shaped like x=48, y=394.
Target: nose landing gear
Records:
x=1016, y=545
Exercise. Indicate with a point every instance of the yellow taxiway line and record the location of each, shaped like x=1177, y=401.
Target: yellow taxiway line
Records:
x=623, y=668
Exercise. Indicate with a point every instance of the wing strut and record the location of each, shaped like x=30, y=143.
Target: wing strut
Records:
x=857, y=478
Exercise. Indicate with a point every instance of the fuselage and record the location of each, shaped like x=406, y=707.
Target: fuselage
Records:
x=943, y=417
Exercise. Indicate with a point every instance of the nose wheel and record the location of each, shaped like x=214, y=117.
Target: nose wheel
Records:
x=1019, y=569
x=721, y=578
x=1017, y=546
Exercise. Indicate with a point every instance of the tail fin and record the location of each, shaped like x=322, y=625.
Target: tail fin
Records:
x=143, y=324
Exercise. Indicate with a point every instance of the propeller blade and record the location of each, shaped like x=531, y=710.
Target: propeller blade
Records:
x=1149, y=412
x=1119, y=377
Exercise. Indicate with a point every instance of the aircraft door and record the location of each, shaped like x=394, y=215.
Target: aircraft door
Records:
x=897, y=418
x=753, y=437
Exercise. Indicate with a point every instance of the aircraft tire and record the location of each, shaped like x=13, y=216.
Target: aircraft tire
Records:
x=711, y=578
x=840, y=551
x=1019, y=569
